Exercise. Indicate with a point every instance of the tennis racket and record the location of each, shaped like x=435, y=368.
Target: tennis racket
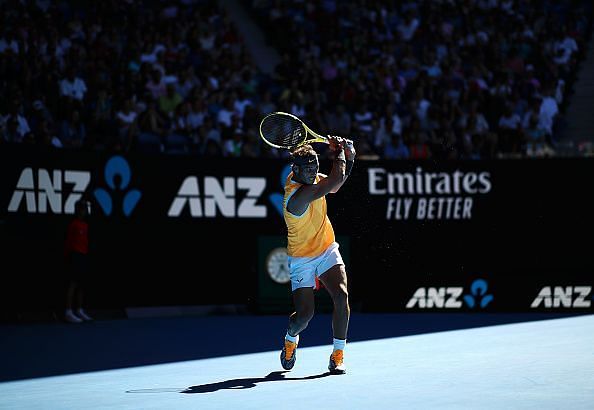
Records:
x=284, y=130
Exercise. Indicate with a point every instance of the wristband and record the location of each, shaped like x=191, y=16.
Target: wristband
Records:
x=349, y=167
x=341, y=156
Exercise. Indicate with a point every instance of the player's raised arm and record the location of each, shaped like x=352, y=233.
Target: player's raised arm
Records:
x=348, y=154
x=305, y=171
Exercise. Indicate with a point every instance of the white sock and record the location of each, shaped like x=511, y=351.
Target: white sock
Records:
x=294, y=339
x=339, y=344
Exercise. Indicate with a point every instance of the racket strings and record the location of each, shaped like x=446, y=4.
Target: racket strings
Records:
x=283, y=130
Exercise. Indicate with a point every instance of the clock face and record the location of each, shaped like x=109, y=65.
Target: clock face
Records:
x=277, y=266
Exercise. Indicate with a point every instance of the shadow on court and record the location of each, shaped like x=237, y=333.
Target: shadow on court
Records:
x=232, y=384
x=248, y=383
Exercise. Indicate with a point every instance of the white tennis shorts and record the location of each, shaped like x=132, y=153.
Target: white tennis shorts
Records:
x=303, y=269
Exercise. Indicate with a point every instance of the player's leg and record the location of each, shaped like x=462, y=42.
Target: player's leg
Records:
x=335, y=282
x=304, y=301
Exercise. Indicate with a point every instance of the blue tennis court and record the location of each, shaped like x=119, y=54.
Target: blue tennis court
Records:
x=412, y=361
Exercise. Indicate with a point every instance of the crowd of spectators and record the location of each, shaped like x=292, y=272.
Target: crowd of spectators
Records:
x=414, y=79
x=430, y=78
x=127, y=75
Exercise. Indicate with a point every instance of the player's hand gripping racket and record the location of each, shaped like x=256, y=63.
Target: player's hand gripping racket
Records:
x=284, y=130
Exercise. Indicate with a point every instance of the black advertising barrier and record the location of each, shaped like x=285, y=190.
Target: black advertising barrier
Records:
x=504, y=235
x=165, y=230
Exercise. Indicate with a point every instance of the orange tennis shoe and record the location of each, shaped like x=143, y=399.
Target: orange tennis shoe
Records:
x=336, y=365
x=288, y=355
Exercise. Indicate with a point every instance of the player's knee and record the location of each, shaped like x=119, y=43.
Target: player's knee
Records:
x=305, y=315
x=341, y=298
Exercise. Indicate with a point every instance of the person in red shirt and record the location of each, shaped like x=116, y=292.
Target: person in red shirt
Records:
x=76, y=254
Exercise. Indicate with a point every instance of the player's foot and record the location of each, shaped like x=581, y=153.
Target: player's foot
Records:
x=69, y=316
x=336, y=365
x=288, y=355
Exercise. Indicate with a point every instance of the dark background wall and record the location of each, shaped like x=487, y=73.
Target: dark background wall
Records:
x=530, y=229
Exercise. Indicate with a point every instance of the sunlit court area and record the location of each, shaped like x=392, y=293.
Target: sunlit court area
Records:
x=409, y=363
x=260, y=204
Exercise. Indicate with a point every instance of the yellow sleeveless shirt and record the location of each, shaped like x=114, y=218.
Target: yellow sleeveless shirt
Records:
x=311, y=233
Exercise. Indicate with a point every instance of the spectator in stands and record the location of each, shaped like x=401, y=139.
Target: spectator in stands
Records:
x=16, y=125
x=339, y=120
x=534, y=138
x=419, y=149
x=252, y=147
x=196, y=115
x=362, y=119
x=73, y=89
x=101, y=123
x=267, y=105
x=47, y=135
x=153, y=127
x=156, y=85
x=226, y=113
x=73, y=132
x=187, y=82
x=509, y=130
x=169, y=102
x=10, y=130
x=240, y=102
x=548, y=111
x=212, y=148
x=126, y=118
x=396, y=148
x=39, y=113
x=233, y=147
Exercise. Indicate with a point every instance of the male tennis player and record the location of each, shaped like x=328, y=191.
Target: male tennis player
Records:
x=312, y=249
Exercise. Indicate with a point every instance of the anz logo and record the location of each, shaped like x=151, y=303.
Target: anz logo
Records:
x=55, y=191
x=451, y=297
x=44, y=191
x=117, y=176
x=208, y=197
x=478, y=296
x=563, y=297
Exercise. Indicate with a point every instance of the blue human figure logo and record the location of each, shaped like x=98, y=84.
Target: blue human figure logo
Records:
x=478, y=294
x=275, y=198
x=117, y=169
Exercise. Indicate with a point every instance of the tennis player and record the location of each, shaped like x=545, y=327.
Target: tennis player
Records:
x=312, y=248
